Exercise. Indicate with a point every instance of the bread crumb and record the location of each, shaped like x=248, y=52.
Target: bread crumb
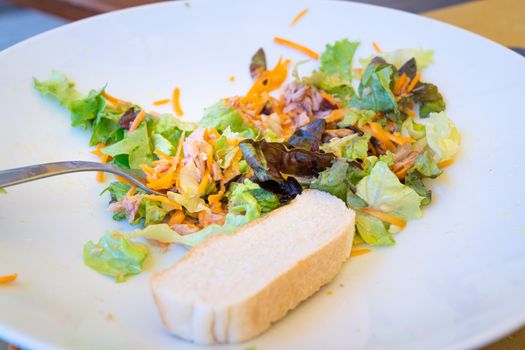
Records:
x=341, y=285
x=329, y=292
x=110, y=317
x=232, y=78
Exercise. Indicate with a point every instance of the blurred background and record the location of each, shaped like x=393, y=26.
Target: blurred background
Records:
x=500, y=20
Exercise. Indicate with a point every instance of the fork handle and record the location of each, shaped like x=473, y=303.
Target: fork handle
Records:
x=17, y=176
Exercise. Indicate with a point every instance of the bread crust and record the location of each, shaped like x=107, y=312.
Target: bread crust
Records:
x=207, y=324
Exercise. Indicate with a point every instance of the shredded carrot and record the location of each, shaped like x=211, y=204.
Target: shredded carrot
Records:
x=112, y=99
x=377, y=131
x=161, y=102
x=357, y=252
x=164, y=200
x=336, y=116
x=445, y=163
x=376, y=47
x=357, y=70
x=147, y=169
x=8, y=278
x=401, y=140
x=120, y=178
x=100, y=176
x=297, y=47
x=385, y=217
x=136, y=122
x=329, y=98
x=400, y=85
x=232, y=78
x=175, y=100
x=298, y=17
x=161, y=154
x=401, y=173
x=176, y=218
x=132, y=191
x=103, y=159
x=414, y=82
x=98, y=151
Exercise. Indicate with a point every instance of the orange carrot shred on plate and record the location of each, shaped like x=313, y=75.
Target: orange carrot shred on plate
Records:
x=100, y=176
x=97, y=151
x=132, y=191
x=296, y=46
x=176, y=218
x=112, y=99
x=175, y=100
x=385, y=217
x=357, y=70
x=8, y=278
x=377, y=131
x=298, y=17
x=357, y=252
x=164, y=200
x=136, y=122
x=376, y=47
x=414, y=82
x=161, y=102
x=445, y=163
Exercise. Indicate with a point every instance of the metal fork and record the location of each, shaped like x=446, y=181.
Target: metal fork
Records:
x=17, y=176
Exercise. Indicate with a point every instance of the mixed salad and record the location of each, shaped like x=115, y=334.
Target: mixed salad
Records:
x=370, y=136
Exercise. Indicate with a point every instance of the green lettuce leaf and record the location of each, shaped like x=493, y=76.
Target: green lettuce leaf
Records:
x=410, y=128
x=374, y=89
x=399, y=57
x=224, y=152
x=267, y=200
x=442, y=136
x=242, y=209
x=115, y=255
x=429, y=98
x=221, y=116
x=3, y=191
x=336, y=64
x=106, y=127
x=189, y=200
x=153, y=212
x=426, y=165
x=350, y=147
x=135, y=145
x=353, y=116
x=383, y=191
x=333, y=180
x=58, y=87
x=117, y=190
x=414, y=181
x=373, y=230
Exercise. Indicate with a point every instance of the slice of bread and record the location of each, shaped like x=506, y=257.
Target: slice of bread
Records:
x=231, y=288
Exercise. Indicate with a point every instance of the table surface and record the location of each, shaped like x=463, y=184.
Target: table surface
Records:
x=506, y=26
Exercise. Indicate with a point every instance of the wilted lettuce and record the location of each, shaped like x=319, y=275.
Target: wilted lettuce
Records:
x=136, y=146
x=333, y=180
x=221, y=116
x=350, y=147
x=374, y=89
x=373, y=231
x=382, y=190
x=243, y=208
x=442, y=136
x=115, y=255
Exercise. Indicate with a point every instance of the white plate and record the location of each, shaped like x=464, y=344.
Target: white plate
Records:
x=456, y=277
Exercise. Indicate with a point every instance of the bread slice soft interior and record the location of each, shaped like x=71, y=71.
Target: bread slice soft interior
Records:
x=231, y=288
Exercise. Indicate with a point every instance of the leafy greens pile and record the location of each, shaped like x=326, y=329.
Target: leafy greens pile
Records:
x=373, y=146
